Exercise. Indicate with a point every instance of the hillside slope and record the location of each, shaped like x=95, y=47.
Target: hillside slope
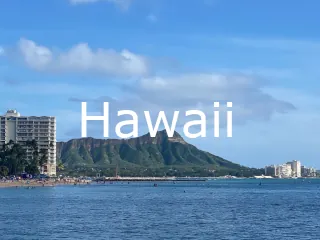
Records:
x=143, y=153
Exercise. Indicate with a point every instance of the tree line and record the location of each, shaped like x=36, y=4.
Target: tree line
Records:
x=14, y=161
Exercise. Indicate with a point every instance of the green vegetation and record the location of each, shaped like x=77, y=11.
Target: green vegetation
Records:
x=144, y=156
x=159, y=172
x=13, y=158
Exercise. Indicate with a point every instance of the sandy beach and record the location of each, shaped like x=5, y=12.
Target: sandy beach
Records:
x=25, y=184
x=36, y=183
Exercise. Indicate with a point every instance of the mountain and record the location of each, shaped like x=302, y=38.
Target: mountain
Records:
x=145, y=155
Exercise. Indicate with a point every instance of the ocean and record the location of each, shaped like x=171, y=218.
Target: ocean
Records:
x=221, y=209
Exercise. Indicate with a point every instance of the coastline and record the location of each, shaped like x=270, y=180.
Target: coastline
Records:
x=25, y=184
x=53, y=183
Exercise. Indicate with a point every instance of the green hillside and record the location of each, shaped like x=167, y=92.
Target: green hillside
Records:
x=145, y=156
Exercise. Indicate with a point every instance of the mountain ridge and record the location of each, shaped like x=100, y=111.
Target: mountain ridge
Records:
x=144, y=152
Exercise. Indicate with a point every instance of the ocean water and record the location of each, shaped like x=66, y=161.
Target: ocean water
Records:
x=221, y=209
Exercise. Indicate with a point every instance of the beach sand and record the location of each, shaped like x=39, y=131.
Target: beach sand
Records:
x=35, y=183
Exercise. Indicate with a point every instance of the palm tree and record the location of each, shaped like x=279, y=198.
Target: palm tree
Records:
x=4, y=171
x=13, y=156
x=43, y=160
x=35, y=162
x=60, y=167
x=19, y=154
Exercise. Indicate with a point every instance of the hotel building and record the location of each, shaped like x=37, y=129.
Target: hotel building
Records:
x=308, y=172
x=290, y=170
x=271, y=170
x=23, y=128
x=296, y=168
x=284, y=170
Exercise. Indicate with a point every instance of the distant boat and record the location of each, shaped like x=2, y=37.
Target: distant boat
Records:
x=262, y=176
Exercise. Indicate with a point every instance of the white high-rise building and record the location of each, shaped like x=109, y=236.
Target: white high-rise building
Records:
x=308, y=172
x=23, y=128
x=284, y=170
x=296, y=168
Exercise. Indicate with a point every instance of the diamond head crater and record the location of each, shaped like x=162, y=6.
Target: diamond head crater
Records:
x=144, y=156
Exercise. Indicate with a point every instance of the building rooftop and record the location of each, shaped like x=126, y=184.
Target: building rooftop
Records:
x=15, y=113
x=12, y=113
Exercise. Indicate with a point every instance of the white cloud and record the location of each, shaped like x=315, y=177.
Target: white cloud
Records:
x=35, y=56
x=81, y=58
x=123, y=4
x=199, y=91
x=202, y=87
x=250, y=100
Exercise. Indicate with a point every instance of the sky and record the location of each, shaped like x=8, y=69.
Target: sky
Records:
x=164, y=55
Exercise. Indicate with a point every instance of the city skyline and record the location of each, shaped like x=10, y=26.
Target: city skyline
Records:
x=291, y=169
x=142, y=55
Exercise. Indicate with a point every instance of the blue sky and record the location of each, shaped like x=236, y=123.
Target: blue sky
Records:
x=171, y=55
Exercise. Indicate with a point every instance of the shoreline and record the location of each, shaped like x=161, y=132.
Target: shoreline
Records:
x=24, y=184
x=36, y=183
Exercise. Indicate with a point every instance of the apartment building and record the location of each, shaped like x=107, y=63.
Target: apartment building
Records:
x=308, y=172
x=20, y=129
x=291, y=169
x=296, y=168
x=284, y=170
x=271, y=170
